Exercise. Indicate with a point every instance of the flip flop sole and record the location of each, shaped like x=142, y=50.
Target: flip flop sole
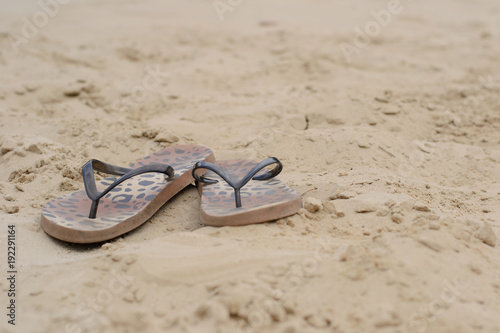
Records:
x=128, y=205
x=261, y=201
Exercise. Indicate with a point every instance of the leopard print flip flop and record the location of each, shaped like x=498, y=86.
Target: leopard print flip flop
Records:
x=112, y=207
x=240, y=192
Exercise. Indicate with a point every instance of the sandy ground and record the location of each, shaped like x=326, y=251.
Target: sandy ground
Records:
x=394, y=135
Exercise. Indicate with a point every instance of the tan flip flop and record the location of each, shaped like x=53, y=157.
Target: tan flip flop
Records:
x=240, y=192
x=113, y=207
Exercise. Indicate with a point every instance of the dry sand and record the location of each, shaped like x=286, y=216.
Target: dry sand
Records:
x=396, y=153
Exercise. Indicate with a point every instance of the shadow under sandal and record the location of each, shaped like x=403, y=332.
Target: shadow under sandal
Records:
x=112, y=207
x=240, y=192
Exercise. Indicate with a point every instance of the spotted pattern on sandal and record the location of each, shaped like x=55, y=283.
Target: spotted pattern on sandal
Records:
x=218, y=199
x=126, y=199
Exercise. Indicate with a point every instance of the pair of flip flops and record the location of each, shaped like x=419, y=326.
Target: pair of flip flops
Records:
x=234, y=192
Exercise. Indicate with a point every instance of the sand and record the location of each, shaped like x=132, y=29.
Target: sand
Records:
x=385, y=116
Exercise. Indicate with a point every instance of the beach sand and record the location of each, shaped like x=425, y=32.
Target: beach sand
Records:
x=385, y=116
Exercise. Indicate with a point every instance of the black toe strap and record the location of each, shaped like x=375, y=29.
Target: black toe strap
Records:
x=126, y=173
x=237, y=185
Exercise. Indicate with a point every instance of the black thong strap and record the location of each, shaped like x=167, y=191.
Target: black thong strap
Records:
x=126, y=173
x=238, y=184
